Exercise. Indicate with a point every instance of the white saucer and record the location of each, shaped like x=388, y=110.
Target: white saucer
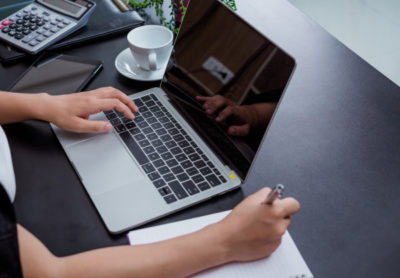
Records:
x=127, y=66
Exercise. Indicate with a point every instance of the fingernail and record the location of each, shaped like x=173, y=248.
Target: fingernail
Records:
x=108, y=127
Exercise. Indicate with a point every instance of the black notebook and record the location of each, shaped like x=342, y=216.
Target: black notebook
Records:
x=105, y=21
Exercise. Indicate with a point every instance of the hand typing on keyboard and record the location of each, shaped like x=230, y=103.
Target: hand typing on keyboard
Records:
x=71, y=111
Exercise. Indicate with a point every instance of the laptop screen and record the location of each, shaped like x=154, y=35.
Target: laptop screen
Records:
x=226, y=79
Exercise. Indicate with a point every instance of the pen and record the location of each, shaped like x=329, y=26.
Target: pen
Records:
x=276, y=192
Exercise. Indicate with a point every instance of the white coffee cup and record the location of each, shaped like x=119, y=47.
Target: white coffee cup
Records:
x=150, y=45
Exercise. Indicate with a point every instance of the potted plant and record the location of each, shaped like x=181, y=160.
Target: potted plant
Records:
x=169, y=12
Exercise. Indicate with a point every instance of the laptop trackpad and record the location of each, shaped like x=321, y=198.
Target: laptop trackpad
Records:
x=104, y=164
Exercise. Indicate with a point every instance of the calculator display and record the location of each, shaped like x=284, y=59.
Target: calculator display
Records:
x=67, y=6
x=74, y=8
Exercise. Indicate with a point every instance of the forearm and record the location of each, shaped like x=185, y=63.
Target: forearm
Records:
x=16, y=107
x=179, y=257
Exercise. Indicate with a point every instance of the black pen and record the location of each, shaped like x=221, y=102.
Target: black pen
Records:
x=276, y=192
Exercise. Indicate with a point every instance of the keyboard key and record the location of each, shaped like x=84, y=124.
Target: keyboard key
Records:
x=198, y=178
x=120, y=128
x=199, y=164
x=165, y=191
x=143, y=109
x=188, y=150
x=183, y=144
x=203, y=186
x=190, y=187
x=134, y=148
x=169, y=177
x=151, y=120
x=139, y=136
x=154, y=156
x=210, y=164
x=163, y=119
x=163, y=170
x=162, y=149
x=149, y=149
x=135, y=131
x=147, y=130
x=159, y=114
x=177, y=170
x=213, y=180
x=142, y=124
x=182, y=177
x=150, y=103
x=154, y=109
x=115, y=121
x=126, y=120
x=176, y=150
x=156, y=126
x=138, y=102
x=170, y=199
x=152, y=136
x=205, y=171
x=144, y=143
x=178, y=190
x=166, y=156
x=156, y=143
x=169, y=125
x=159, y=163
x=173, y=131
x=146, y=98
x=181, y=157
x=161, y=131
x=153, y=176
x=166, y=137
x=159, y=183
x=147, y=114
x=170, y=144
x=130, y=125
x=178, y=137
x=139, y=119
x=148, y=168
x=172, y=162
x=222, y=179
x=186, y=164
x=194, y=157
x=192, y=171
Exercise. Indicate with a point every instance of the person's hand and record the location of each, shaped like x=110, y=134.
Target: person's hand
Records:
x=253, y=229
x=72, y=111
x=237, y=117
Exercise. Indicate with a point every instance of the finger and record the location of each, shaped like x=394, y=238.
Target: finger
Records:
x=240, y=131
x=110, y=92
x=84, y=125
x=225, y=113
x=215, y=103
x=109, y=104
x=288, y=206
x=201, y=98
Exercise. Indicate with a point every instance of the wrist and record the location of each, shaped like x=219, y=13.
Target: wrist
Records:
x=40, y=108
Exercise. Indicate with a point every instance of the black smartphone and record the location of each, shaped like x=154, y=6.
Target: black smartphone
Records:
x=57, y=74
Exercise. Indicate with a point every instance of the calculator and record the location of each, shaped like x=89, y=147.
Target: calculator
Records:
x=44, y=22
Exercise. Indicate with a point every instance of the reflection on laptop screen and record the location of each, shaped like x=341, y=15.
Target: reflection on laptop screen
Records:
x=226, y=78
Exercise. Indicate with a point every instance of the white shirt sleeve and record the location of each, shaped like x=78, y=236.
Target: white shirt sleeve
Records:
x=7, y=178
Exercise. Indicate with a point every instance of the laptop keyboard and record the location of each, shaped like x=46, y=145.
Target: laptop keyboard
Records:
x=171, y=159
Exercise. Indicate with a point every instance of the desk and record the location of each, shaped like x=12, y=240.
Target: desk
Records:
x=334, y=143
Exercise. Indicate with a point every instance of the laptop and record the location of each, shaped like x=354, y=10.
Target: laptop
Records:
x=175, y=154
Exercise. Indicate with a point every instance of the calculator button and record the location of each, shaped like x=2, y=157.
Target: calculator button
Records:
x=26, y=24
x=12, y=33
x=27, y=17
x=33, y=43
x=54, y=29
x=40, y=38
x=47, y=26
x=53, y=22
x=26, y=31
x=19, y=36
x=25, y=10
x=6, y=22
x=34, y=27
x=13, y=26
x=19, y=29
x=33, y=8
x=39, y=22
x=66, y=22
x=45, y=13
x=33, y=20
x=61, y=25
x=40, y=31
x=48, y=34
x=19, y=15
x=34, y=13
x=29, y=38
x=59, y=19
x=5, y=30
